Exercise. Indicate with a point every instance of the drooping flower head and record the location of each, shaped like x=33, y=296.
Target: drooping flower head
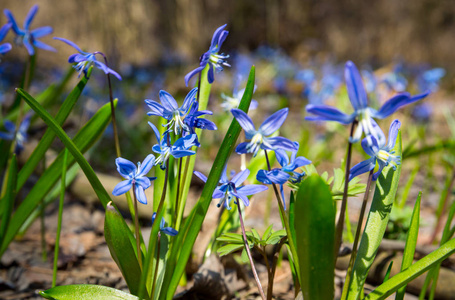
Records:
x=135, y=177
x=29, y=38
x=193, y=120
x=3, y=31
x=380, y=152
x=83, y=60
x=166, y=230
x=231, y=188
x=286, y=172
x=20, y=136
x=260, y=138
x=170, y=110
x=165, y=149
x=212, y=57
x=234, y=101
x=362, y=112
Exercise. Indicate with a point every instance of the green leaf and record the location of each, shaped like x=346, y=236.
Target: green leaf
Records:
x=49, y=135
x=315, y=231
x=267, y=233
x=187, y=235
x=256, y=234
x=378, y=217
x=120, y=241
x=275, y=237
x=411, y=243
x=85, y=292
x=230, y=238
x=227, y=249
x=244, y=256
x=7, y=202
x=412, y=272
x=84, y=139
x=387, y=274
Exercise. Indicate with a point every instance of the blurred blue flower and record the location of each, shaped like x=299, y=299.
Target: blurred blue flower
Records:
x=20, y=136
x=260, y=138
x=3, y=31
x=166, y=230
x=234, y=101
x=286, y=172
x=169, y=110
x=230, y=189
x=359, y=101
x=211, y=57
x=193, y=120
x=83, y=60
x=29, y=38
x=380, y=152
x=394, y=80
x=179, y=149
x=422, y=112
x=135, y=177
x=429, y=79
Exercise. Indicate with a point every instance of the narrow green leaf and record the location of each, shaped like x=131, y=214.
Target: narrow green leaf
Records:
x=85, y=292
x=387, y=273
x=187, y=235
x=411, y=243
x=315, y=231
x=49, y=135
x=412, y=272
x=227, y=249
x=378, y=217
x=276, y=236
x=120, y=241
x=267, y=233
x=84, y=139
x=7, y=202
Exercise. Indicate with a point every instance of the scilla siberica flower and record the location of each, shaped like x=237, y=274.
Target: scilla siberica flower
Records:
x=193, y=120
x=286, y=172
x=166, y=230
x=359, y=100
x=83, y=60
x=135, y=177
x=230, y=189
x=211, y=57
x=380, y=152
x=20, y=135
x=260, y=138
x=29, y=38
x=3, y=31
x=170, y=110
x=179, y=149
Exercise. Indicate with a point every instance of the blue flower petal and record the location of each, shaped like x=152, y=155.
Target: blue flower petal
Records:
x=200, y=176
x=216, y=36
x=125, y=167
x=240, y=177
x=393, y=133
x=106, y=69
x=41, y=45
x=395, y=103
x=274, y=176
x=157, y=108
x=192, y=73
x=370, y=145
x=28, y=46
x=244, y=121
x=7, y=136
x=4, y=30
x=363, y=167
x=282, y=157
x=354, y=84
x=274, y=122
x=146, y=165
x=217, y=194
x=168, y=101
x=244, y=198
x=241, y=148
x=189, y=100
x=182, y=153
x=31, y=14
x=278, y=142
x=122, y=187
x=9, y=126
x=169, y=231
x=11, y=20
x=210, y=74
x=41, y=31
x=328, y=113
x=140, y=195
x=69, y=43
x=5, y=48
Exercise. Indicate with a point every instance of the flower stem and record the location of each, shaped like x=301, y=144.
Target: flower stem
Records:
x=157, y=265
x=177, y=196
x=247, y=249
x=285, y=222
x=357, y=237
x=136, y=228
x=340, y=224
x=60, y=217
x=43, y=223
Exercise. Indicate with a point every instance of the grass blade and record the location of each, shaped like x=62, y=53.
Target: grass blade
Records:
x=8, y=201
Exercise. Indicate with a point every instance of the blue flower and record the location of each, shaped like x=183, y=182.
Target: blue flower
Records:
x=169, y=110
x=179, y=149
x=83, y=60
x=260, y=138
x=363, y=113
x=3, y=31
x=166, y=230
x=135, y=177
x=230, y=189
x=429, y=79
x=29, y=38
x=287, y=171
x=234, y=101
x=193, y=121
x=21, y=134
x=380, y=153
x=211, y=57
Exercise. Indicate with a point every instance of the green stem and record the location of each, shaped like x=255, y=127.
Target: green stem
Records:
x=340, y=224
x=247, y=249
x=285, y=222
x=177, y=196
x=357, y=237
x=136, y=228
x=60, y=217
x=157, y=265
x=42, y=219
